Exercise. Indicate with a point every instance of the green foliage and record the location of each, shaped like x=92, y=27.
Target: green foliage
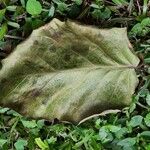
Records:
x=33, y=7
x=101, y=14
x=115, y=131
x=130, y=131
x=3, y=30
x=20, y=144
x=29, y=124
x=21, y=14
x=142, y=28
x=2, y=142
x=2, y=14
x=147, y=120
x=127, y=143
x=41, y=144
x=136, y=121
x=148, y=98
x=78, y=2
x=120, y=2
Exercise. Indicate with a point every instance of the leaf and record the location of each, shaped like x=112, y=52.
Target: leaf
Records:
x=69, y=72
x=20, y=144
x=113, y=128
x=40, y=124
x=96, y=13
x=106, y=13
x=41, y=144
x=33, y=7
x=145, y=7
x=132, y=107
x=14, y=113
x=13, y=24
x=11, y=8
x=3, y=110
x=119, y=134
x=78, y=2
x=3, y=30
x=136, y=121
x=22, y=3
x=52, y=140
x=141, y=29
x=137, y=29
x=148, y=99
x=145, y=134
x=62, y=7
x=29, y=124
x=37, y=23
x=105, y=135
x=120, y=2
x=147, y=60
x=145, y=22
x=105, y=132
x=2, y=14
x=147, y=147
x=51, y=11
x=99, y=14
x=127, y=142
x=147, y=120
x=2, y=142
x=94, y=6
x=97, y=123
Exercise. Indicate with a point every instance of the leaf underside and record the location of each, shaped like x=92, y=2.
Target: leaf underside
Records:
x=69, y=71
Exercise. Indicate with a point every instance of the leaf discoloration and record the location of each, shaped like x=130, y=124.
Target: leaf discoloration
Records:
x=69, y=71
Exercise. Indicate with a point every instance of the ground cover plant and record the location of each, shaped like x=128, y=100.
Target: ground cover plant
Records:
x=120, y=129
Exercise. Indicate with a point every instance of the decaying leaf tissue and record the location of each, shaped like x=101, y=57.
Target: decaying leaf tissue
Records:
x=69, y=71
